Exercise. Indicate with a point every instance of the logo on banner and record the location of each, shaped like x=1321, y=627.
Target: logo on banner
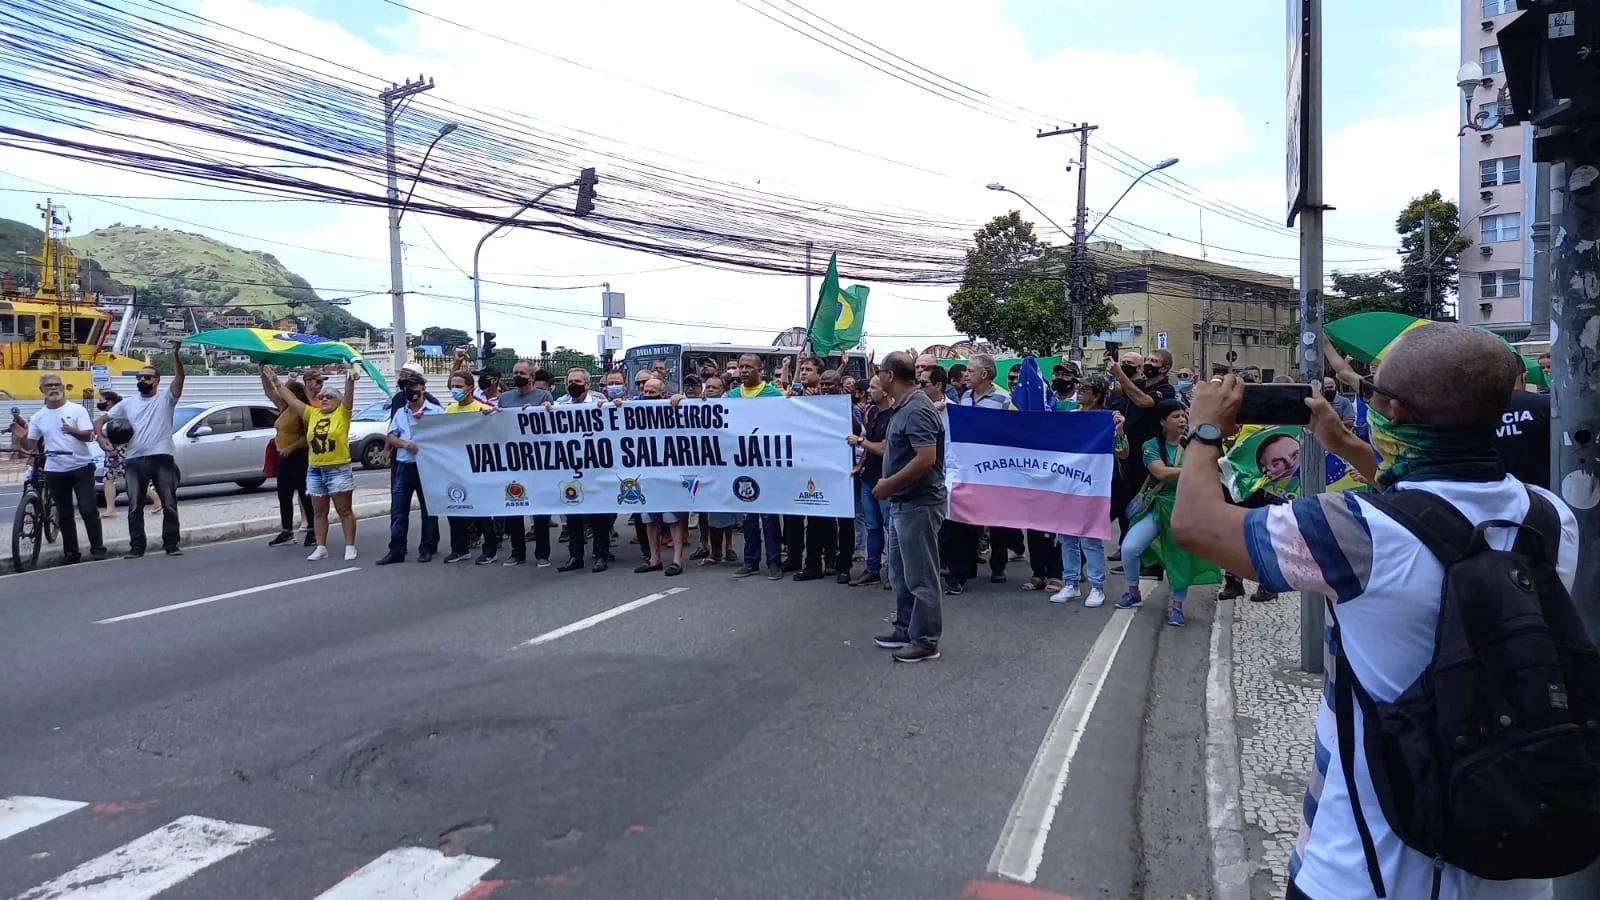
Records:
x=630, y=491
x=458, y=497
x=746, y=489
x=811, y=496
x=516, y=494
x=691, y=483
x=571, y=493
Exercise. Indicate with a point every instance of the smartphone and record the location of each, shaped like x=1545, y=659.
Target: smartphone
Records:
x=1275, y=404
x=1114, y=349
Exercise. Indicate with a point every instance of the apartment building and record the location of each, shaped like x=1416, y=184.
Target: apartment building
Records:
x=1196, y=308
x=1496, y=171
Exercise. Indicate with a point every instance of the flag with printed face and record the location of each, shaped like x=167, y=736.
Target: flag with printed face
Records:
x=1047, y=471
x=1266, y=459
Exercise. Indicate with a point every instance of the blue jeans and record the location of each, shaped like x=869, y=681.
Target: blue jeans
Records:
x=757, y=526
x=875, y=520
x=1093, y=555
x=404, y=483
x=914, y=571
x=1138, y=539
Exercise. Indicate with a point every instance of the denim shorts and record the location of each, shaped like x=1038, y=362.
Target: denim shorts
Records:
x=325, y=481
x=668, y=518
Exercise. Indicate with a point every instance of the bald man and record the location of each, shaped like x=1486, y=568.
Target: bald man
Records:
x=1434, y=406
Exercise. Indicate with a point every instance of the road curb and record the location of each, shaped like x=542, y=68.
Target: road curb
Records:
x=52, y=554
x=1230, y=863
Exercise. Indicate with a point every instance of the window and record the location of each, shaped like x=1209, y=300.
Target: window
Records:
x=1489, y=60
x=1492, y=8
x=263, y=417
x=226, y=421
x=1503, y=227
x=1505, y=170
x=1502, y=284
x=1131, y=281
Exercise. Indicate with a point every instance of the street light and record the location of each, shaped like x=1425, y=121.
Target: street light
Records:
x=996, y=186
x=1167, y=163
x=585, y=184
x=444, y=131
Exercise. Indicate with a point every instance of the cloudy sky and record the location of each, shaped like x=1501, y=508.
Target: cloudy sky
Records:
x=744, y=98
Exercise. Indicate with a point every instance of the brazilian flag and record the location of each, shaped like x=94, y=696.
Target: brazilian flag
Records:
x=839, y=316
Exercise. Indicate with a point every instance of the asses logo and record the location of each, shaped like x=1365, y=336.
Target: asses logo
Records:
x=457, y=495
x=516, y=494
x=630, y=492
x=572, y=493
x=811, y=496
x=746, y=489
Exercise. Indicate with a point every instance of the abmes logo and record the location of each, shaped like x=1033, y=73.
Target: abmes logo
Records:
x=746, y=489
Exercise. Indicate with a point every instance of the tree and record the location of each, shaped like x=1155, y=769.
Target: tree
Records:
x=1431, y=239
x=448, y=338
x=1008, y=296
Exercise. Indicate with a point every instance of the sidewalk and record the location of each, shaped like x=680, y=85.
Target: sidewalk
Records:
x=203, y=522
x=1260, y=744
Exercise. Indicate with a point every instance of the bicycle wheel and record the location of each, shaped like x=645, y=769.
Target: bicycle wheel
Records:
x=52, y=522
x=27, y=532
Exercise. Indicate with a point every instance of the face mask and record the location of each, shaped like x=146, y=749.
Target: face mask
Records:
x=1061, y=386
x=1130, y=370
x=613, y=391
x=483, y=382
x=1390, y=442
x=521, y=381
x=100, y=406
x=146, y=388
x=413, y=394
x=1184, y=384
x=1150, y=371
x=458, y=393
x=576, y=388
x=1329, y=395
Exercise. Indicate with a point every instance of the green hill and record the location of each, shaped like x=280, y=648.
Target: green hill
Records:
x=174, y=269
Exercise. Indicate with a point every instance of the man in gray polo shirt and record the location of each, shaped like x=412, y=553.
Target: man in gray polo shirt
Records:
x=913, y=483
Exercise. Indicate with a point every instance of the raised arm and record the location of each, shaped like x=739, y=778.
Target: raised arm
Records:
x=276, y=389
x=271, y=390
x=350, y=389
x=177, y=371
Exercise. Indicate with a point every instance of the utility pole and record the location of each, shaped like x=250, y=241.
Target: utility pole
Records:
x=1306, y=202
x=1080, y=239
x=808, y=291
x=393, y=99
x=1427, y=255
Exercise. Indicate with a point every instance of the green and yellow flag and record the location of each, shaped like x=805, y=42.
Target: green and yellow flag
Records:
x=839, y=316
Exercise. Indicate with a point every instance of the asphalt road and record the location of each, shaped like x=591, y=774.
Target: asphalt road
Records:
x=735, y=739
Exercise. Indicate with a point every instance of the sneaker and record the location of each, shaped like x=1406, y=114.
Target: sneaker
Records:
x=892, y=641
x=98, y=555
x=1175, y=615
x=513, y=562
x=915, y=653
x=320, y=553
x=424, y=556
x=1262, y=595
x=486, y=559
x=807, y=575
x=730, y=557
x=311, y=539
x=1096, y=598
x=997, y=578
x=572, y=565
x=952, y=587
x=746, y=571
x=177, y=552
x=133, y=554
x=283, y=537
x=455, y=558
x=1232, y=589
x=542, y=563
x=1065, y=595
x=774, y=573
x=1130, y=600
x=349, y=553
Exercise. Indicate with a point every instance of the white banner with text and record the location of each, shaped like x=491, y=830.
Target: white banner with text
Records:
x=768, y=455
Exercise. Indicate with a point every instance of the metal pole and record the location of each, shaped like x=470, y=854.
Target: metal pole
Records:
x=1080, y=247
x=808, y=286
x=1539, y=318
x=477, y=306
x=1427, y=257
x=1575, y=395
x=1312, y=469
x=397, y=289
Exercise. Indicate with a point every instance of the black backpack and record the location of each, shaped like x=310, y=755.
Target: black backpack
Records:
x=1490, y=760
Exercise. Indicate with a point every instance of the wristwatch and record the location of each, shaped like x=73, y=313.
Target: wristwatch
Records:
x=1205, y=433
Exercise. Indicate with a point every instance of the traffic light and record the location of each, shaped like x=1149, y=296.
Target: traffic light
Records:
x=587, y=179
x=488, y=347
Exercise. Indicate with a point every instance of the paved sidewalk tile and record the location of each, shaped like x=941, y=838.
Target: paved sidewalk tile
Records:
x=1276, y=708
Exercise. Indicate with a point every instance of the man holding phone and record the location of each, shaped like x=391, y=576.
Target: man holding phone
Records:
x=1142, y=383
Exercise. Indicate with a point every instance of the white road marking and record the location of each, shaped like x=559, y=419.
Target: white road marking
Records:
x=1020, y=850
x=146, y=866
x=18, y=814
x=599, y=617
x=228, y=596
x=412, y=873
x=1230, y=863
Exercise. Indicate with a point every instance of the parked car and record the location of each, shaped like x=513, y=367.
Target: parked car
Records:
x=215, y=444
x=367, y=428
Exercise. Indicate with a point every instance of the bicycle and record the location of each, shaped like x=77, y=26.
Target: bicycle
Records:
x=36, y=521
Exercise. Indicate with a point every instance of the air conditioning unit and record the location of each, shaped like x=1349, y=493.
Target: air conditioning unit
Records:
x=1486, y=137
x=1487, y=25
x=1486, y=194
x=1486, y=250
x=50, y=364
x=1486, y=309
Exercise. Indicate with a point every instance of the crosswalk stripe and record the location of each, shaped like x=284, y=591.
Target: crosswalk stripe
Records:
x=18, y=814
x=150, y=864
x=412, y=873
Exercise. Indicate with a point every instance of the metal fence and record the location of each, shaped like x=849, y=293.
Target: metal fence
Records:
x=556, y=363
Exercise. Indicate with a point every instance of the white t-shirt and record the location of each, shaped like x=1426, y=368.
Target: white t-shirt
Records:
x=1386, y=588
x=151, y=418
x=63, y=451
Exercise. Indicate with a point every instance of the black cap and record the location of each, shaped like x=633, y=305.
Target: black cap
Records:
x=490, y=371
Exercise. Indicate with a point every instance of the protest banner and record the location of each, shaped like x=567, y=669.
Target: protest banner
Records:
x=775, y=455
x=1047, y=471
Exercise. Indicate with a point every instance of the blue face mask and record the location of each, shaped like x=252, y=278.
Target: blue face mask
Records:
x=613, y=390
x=458, y=393
x=1184, y=384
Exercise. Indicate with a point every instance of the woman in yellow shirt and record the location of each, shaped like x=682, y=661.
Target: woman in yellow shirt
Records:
x=462, y=400
x=329, y=479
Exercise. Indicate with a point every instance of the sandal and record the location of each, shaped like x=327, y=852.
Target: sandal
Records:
x=701, y=553
x=709, y=561
x=1054, y=584
x=1033, y=584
